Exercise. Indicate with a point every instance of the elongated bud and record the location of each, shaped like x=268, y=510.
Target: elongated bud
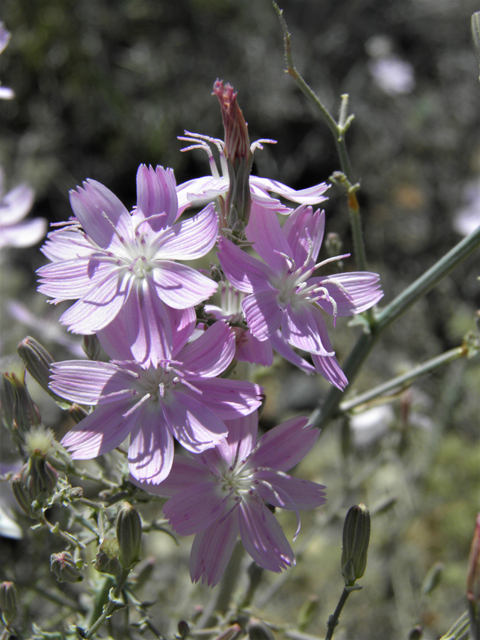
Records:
x=20, y=410
x=37, y=361
x=64, y=567
x=356, y=537
x=92, y=347
x=106, y=560
x=183, y=629
x=21, y=494
x=239, y=159
x=129, y=535
x=415, y=633
x=8, y=602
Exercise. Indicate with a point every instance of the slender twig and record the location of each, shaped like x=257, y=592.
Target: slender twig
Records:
x=392, y=312
x=334, y=618
x=403, y=381
x=112, y=602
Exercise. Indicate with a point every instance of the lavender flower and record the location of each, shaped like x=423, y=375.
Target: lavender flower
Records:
x=14, y=206
x=116, y=262
x=180, y=398
x=283, y=295
x=224, y=492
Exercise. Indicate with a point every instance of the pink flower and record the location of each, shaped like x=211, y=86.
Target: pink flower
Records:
x=14, y=206
x=180, y=398
x=114, y=262
x=283, y=293
x=225, y=491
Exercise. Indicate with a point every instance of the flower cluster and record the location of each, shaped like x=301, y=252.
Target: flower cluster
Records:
x=167, y=374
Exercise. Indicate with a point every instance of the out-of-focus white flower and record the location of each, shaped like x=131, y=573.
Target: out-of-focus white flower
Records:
x=371, y=425
x=390, y=73
x=5, y=92
x=14, y=206
x=467, y=218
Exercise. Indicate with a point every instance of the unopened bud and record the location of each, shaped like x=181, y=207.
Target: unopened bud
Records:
x=8, y=602
x=37, y=361
x=19, y=408
x=473, y=572
x=21, y=494
x=432, y=579
x=64, y=567
x=39, y=477
x=91, y=346
x=106, y=560
x=129, y=535
x=356, y=537
x=77, y=412
x=257, y=630
x=333, y=244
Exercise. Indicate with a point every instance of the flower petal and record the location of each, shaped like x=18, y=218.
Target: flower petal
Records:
x=263, y=313
x=284, y=446
x=312, y=195
x=244, y=271
x=189, y=239
x=101, y=213
x=352, y=292
x=180, y=286
x=303, y=327
x=15, y=205
x=227, y=399
x=101, y=431
x=329, y=368
x=150, y=454
x=194, y=509
x=282, y=347
x=211, y=353
x=185, y=473
x=303, y=230
x=84, y=381
x=265, y=232
x=193, y=425
x=304, y=494
x=156, y=193
x=212, y=549
x=263, y=537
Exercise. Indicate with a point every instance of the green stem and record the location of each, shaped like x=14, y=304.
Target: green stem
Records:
x=400, y=382
x=333, y=620
x=392, y=312
x=112, y=601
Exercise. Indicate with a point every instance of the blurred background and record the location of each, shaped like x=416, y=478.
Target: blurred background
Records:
x=103, y=86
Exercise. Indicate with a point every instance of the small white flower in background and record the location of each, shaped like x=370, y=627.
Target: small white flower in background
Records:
x=390, y=73
x=14, y=206
x=5, y=92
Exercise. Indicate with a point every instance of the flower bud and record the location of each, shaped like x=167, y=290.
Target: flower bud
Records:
x=183, y=629
x=356, y=537
x=21, y=494
x=39, y=477
x=106, y=560
x=432, y=579
x=8, y=602
x=239, y=158
x=21, y=413
x=129, y=535
x=91, y=346
x=64, y=567
x=415, y=633
x=77, y=412
x=37, y=361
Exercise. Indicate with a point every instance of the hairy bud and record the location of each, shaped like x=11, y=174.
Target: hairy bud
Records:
x=356, y=537
x=64, y=567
